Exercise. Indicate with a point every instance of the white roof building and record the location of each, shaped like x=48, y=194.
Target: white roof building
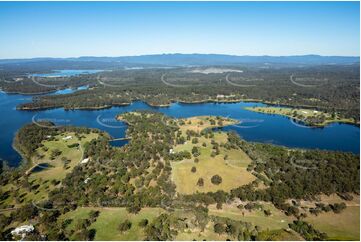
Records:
x=22, y=230
x=85, y=161
x=68, y=137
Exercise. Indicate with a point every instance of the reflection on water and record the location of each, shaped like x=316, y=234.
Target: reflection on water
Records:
x=41, y=167
x=118, y=143
x=70, y=90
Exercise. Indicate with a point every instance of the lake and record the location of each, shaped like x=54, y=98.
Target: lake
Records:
x=65, y=73
x=253, y=126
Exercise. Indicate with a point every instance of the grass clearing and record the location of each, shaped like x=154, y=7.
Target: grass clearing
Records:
x=342, y=226
x=277, y=220
x=107, y=223
x=43, y=179
x=196, y=234
x=75, y=155
x=233, y=170
x=280, y=235
x=199, y=123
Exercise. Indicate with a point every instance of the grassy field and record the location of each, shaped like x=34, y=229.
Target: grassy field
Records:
x=277, y=220
x=203, y=122
x=342, y=226
x=196, y=234
x=280, y=235
x=107, y=223
x=75, y=155
x=44, y=178
x=233, y=170
x=300, y=114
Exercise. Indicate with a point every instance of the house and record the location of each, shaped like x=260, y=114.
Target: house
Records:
x=22, y=230
x=220, y=96
x=68, y=137
x=85, y=161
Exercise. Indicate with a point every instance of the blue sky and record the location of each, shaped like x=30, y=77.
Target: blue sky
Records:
x=71, y=29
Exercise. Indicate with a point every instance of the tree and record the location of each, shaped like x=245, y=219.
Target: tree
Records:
x=195, y=151
x=216, y=179
x=219, y=206
x=143, y=223
x=93, y=215
x=219, y=228
x=135, y=207
x=194, y=169
x=200, y=182
x=126, y=225
x=55, y=153
x=338, y=207
x=161, y=229
x=267, y=212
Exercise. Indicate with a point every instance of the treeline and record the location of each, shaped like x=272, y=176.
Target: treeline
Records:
x=289, y=174
x=303, y=173
x=327, y=89
x=29, y=137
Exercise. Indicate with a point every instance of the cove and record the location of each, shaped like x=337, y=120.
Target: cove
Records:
x=253, y=126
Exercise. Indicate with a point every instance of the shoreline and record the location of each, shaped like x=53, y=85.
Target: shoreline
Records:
x=25, y=161
x=320, y=125
x=72, y=109
x=198, y=102
x=150, y=104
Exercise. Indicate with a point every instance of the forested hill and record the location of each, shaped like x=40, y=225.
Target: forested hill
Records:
x=196, y=59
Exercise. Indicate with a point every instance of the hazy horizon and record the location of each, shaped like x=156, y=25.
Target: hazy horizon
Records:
x=114, y=29
x=155, y=54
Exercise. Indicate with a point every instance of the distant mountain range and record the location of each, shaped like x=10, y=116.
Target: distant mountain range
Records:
x=198, y=59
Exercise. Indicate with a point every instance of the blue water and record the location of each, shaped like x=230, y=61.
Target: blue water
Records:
x=64, y=73
x=70, y=90
x=253, y=127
